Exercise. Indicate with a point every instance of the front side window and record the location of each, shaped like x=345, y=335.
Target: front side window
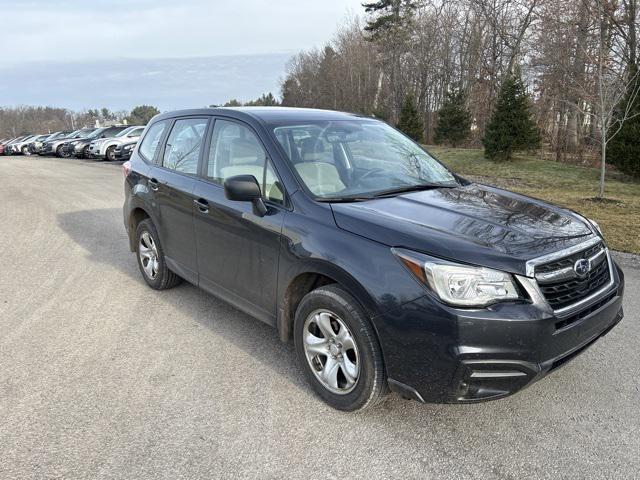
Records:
x=151, y=140
x=183, y=145
x=236, y=150
x=356, y=158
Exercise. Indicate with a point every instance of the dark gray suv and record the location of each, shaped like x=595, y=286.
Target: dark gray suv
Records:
x=386, y=269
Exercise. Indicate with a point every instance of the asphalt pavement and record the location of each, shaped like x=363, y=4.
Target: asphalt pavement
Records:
x=102, y=377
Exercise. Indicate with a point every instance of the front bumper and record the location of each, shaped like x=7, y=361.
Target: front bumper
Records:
x=78, y=150
x=121, y=154
x=47, y=149
x=434, y=353
x=95, y=151
x=67, y=150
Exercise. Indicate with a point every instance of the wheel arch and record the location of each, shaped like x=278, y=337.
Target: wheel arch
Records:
x=137, y=215
x=309, y=277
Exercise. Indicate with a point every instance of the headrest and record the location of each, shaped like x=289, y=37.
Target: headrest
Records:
x=244, y=151
x=311, y=149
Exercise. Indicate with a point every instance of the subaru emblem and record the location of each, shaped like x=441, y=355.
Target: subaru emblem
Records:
x=582, y=267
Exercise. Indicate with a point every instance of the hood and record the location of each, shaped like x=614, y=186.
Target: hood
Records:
x=58, y=141
x=100, y=141
x=473, y=224
x=80, y=140
x=111, y=140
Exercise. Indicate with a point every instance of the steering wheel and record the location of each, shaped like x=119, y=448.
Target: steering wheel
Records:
x=371, y=173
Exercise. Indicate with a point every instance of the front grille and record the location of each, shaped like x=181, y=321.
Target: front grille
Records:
x=569, y=261
x=569, y=287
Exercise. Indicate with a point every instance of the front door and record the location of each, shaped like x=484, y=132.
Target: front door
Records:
x=238, y=250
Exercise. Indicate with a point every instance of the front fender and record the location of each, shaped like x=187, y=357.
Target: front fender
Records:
x=368, y=270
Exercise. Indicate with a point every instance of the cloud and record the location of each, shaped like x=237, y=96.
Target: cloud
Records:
x=170, y=83
x=78, y=30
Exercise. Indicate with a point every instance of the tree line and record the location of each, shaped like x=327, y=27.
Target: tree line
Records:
x=22, y=120
x=505, y=74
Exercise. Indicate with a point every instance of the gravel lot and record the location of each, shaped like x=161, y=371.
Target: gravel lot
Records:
x=102, y=377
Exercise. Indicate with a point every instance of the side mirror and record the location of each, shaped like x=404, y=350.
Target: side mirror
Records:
x=245, y=188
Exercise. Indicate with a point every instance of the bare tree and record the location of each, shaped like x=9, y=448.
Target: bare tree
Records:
x=616, y=86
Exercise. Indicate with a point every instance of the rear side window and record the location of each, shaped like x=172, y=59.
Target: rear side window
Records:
x=183, y=145
x=151, y=140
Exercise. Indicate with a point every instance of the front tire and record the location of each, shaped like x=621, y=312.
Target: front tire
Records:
x=151, y=259
x=339, y=350
x=25, y=151
x=61, y=153
x=110, y=154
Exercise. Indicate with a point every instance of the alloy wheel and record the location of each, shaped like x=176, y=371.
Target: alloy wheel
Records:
x=148, y=255
x=331, y=351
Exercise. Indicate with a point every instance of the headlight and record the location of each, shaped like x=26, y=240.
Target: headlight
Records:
x=460, y=285
x=128, y=147
x=72, y=143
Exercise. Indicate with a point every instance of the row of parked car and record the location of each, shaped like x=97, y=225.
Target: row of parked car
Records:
x=104, y=143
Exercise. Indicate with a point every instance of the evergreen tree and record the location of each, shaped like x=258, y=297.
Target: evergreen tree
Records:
x=141, y=114
x=410, y=120
x=511, y=128
x=387, y=15
x=623, y=150
x=454, y=120
x=266, y=100
x=107, y=114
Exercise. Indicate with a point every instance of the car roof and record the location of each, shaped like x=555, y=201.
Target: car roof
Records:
x=265, y=114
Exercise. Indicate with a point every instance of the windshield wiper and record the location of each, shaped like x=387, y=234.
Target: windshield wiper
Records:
x=412, y=188
x=385, y=193
x=358, y=198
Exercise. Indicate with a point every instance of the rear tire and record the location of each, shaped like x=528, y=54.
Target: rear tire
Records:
x=151, y=259
x=338, y=349
x=25, y=151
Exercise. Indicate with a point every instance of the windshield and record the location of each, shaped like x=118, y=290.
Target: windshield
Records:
x=358, y=158
x=96, y=132
x=125, y=132
x=73, y=134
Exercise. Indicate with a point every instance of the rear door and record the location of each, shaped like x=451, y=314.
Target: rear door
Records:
x=172, y=181
x=238, y=251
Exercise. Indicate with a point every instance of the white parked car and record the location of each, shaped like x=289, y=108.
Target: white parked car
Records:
x=104, y=148
x=22, y=146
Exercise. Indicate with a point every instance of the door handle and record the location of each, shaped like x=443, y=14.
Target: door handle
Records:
x=202, y=205
x=153, y=184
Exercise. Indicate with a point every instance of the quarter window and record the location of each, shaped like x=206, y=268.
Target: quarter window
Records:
x=151, y=140
x=236, y=150
x=183, y=145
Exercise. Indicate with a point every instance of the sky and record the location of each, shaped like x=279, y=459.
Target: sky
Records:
x=65, y=52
